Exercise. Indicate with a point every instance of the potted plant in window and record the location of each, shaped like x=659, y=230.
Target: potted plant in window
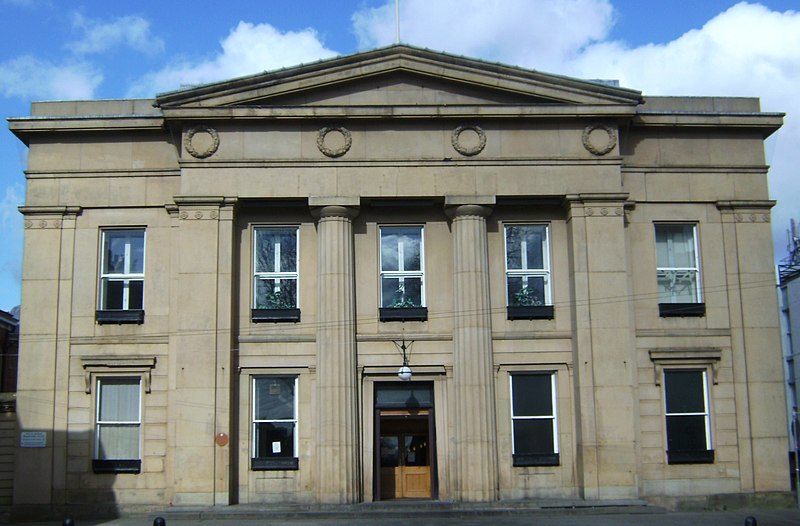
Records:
x=527, y=304
x=527, y=297
x=275, y=306
x=403, y=308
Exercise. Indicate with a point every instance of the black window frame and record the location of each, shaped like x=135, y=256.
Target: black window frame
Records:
x=675, y=422
x=267, y=462
x=536, y=458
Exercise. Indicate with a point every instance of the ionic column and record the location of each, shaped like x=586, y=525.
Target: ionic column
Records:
x=473, y=379
x=337, y=455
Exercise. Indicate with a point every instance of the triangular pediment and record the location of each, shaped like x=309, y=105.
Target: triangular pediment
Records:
x=399, y=76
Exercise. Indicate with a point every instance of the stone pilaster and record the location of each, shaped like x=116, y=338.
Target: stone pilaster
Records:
x=473, y=378
x=755, y=344
x=603, y=347
x=337, y=453
x=200, y=352
x=43, y=390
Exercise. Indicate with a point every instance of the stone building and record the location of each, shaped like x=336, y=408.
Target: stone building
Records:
x=789, y=299
x=221, y=284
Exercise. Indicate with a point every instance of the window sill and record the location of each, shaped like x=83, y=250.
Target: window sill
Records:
x=691, y=457
x=539, y=312
x=274, y=464
x=673, y=310
x=117, y=466
x=537, y=459
x=104, y=317
x=275, y=315
x=403, y=313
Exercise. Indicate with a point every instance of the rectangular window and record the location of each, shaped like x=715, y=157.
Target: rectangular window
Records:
x=534, y=437
x=402, y=273
x=275, y=274
x=688, y=427
x=118, y=423
x=122, y=276
x=274, y=423
x=528, y=272
x=678, y=270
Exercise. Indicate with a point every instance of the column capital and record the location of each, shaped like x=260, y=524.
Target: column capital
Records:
x=456, y=211
x=324, y=212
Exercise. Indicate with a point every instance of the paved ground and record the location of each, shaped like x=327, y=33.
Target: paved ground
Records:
x=647, y=517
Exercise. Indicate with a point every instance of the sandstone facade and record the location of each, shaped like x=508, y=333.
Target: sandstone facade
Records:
x=218, y=285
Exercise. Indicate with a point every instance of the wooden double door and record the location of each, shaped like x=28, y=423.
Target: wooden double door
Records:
x=405, y=454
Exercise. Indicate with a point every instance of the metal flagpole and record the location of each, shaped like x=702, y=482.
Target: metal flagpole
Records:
x=397, y=21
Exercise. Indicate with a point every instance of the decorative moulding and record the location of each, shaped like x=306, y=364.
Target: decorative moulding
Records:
x=139, y=365
x=598, y=147
x=685, y=358
x=209, y=150
x=334, y=152
x=463, y=150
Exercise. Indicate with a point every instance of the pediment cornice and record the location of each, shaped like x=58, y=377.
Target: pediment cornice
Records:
x=509, y=83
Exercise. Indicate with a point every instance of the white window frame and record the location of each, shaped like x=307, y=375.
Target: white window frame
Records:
x=100, y=423
x=126, y=277
x=554, y=405
x=525, y=272
x=280, y=274
x=401, y=273
x=694, y=269
x=706, y=414
x=254, y=422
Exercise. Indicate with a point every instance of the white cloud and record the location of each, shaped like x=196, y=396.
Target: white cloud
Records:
x=28, y=77
x=535, y=33
x=747, y=50
x=13, y=197
x=133, y=31
x=248, y=49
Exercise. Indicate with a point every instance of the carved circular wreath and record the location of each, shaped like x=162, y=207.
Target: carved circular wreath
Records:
x=210, y=150
x=475, y=150
x=348, y=141
x=602, y=150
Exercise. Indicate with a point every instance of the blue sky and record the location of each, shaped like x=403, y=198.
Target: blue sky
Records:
x=55, y=49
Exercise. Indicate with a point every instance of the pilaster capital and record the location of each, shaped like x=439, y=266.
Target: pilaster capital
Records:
x=41, y=217
x=202, y=207
x=597, y=205
x=745, y=211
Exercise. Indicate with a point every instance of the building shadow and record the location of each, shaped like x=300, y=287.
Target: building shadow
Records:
x=54, y=479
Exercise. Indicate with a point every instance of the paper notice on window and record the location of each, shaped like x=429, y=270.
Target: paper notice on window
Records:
x=276, y=447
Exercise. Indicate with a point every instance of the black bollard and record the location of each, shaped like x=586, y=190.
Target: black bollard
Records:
x=750, y=521
x=159, y=521
x=68, y=522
